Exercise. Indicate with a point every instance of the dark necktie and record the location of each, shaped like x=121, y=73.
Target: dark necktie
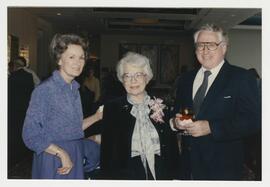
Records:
x=199, y=96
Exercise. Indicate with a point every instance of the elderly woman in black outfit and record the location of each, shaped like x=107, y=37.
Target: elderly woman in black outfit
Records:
x=137, y=143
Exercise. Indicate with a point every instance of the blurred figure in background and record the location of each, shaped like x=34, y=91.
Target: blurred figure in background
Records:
x=22, y=60
x=87, y=96
x=88, y=105
x=91, y=82
x=253, y=143
x=111, y=86
x=10, y=67
x=20, y=87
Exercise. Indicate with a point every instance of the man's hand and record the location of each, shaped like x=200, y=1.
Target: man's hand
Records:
x=198, y=128
x=181, y=124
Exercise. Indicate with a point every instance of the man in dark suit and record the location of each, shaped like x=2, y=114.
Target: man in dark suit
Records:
x=20, y=87
x=226, y=109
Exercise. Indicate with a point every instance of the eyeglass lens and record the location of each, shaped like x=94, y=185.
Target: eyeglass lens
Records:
x=209, y=45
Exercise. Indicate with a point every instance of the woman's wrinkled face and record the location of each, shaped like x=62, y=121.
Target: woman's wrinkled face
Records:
x=134, y=80
x=71, y=62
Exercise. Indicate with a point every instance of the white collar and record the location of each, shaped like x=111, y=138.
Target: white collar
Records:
x=215, y=70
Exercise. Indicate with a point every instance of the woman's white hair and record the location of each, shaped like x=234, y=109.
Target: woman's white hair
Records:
x=223, y=36
x=136, y=60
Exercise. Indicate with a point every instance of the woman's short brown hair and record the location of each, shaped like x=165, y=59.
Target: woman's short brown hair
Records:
x=60, y=42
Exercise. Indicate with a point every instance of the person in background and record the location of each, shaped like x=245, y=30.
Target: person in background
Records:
x=111, y=87
x=89, y=107
x=87, y=96
x=10, y=67
x=91, y=82
x=254, y=72
x=22, y=60
x=253, y=143
x=20, y=87
x=54, y=124
x=136, y=141
x=226, y=109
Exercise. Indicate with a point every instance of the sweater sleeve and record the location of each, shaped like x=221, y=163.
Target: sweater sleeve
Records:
x=34, y=134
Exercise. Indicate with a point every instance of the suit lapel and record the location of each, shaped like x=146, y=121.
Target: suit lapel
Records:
x=190, y=88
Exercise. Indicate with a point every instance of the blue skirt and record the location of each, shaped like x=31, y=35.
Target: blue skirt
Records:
x=45, y=165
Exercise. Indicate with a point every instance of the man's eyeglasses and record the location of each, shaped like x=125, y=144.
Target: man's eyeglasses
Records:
x=127, y=77
x=211, y=46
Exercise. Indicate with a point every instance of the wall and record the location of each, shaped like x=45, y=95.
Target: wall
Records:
x=109, y=51
x=25, y=26
x=245, y=49
x=44, y=63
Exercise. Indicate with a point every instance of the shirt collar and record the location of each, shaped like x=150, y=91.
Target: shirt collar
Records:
x=58, y=78
x=215, y=70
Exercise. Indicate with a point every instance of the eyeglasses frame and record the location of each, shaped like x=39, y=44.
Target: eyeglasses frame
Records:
x=205, y=44
x=133, y=76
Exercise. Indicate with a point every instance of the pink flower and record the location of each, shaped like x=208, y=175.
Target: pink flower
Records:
x=157, y=109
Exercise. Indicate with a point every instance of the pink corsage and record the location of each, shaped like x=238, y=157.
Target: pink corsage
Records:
x=157, y=109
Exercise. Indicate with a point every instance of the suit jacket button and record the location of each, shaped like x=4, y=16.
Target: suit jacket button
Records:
x=161, y=130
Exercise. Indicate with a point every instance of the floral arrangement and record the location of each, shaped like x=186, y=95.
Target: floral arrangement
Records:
x=157, y=107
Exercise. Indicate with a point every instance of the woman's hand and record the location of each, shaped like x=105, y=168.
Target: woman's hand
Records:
x=66, y=163
x=87, y=122
x=99, y=113
x=63, y=155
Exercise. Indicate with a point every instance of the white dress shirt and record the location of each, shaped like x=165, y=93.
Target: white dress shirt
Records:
x=198, y=81
x=199, y=78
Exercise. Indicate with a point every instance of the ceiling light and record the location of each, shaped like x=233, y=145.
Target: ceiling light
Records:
x=58, y=14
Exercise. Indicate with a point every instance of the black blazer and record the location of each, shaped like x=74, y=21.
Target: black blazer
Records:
x=231, y=107
x=116, y=161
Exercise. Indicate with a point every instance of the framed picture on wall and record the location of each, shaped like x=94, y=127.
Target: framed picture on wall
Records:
x=151, y=52
x=169, y=56
x=164, y=59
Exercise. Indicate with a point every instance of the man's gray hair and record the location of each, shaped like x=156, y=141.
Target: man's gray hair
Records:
x=223, y=36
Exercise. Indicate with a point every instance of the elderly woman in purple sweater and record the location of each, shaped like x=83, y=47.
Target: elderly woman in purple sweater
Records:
x=54, y=124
